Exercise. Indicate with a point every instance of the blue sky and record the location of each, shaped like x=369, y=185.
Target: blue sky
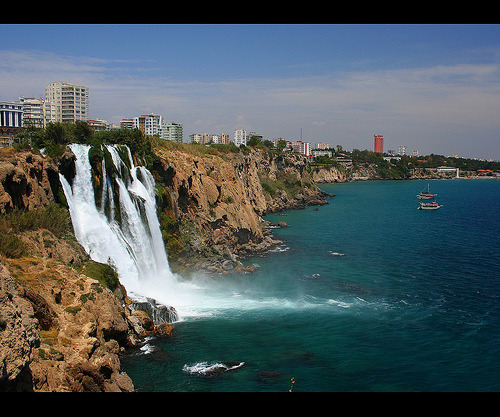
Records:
x=433, y=88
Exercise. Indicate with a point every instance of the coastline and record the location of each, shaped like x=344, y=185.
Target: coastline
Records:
x=212, y=211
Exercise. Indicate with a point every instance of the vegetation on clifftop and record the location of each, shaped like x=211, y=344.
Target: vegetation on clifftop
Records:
x=53, y=218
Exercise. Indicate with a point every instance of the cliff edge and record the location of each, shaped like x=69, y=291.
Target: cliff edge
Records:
x=212, y=203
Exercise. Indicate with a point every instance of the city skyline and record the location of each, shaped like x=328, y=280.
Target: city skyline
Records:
x=433, y=88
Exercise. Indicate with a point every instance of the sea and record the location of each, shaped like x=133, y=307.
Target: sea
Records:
x=366, y=294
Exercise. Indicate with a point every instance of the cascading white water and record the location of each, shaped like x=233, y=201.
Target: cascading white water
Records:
x=134, y=246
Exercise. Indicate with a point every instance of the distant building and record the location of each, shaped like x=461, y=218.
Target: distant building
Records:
x=98, y=124
x=322, y=152
x=402, y=150
x=11, y=119
x=71, y=102
x=321, y=145
x=127, y=124
x=33, y=111
x=379, y=143
x=205, y=138
x=154, y=125
x=257, y=135
x=171, y=131
x=149, y=124
x=240, y=137
x=303, y=148
x=195, y=138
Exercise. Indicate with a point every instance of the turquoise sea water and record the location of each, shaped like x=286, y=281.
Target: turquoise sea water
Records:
x=366, y=294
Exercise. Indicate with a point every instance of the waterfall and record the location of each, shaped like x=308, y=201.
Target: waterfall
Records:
x=124, y=231
x=113, y=211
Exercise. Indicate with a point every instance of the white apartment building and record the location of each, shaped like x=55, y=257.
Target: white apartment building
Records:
x=153, y=125
x=303, y=148
x=71, y=101
x=322, y=145
x=195, y=138
x=33, y=111
x=171, y=131
x=149, y=124
x=205, y=138
x=240, y=137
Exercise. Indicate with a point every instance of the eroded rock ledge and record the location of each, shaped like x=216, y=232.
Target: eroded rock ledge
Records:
x=212, y=206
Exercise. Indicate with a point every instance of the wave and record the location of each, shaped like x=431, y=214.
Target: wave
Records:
x=210, y=369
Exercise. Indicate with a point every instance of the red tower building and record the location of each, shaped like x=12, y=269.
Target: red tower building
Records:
x=379, y=143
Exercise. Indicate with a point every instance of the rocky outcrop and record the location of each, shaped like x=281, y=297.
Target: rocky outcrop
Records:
x=27, y=180
x=19, y=336
x=328, y=174
x=213, y=203
x=62, y=330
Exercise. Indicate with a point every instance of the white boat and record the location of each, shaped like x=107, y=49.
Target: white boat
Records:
x=425, y=195
x=429, y=206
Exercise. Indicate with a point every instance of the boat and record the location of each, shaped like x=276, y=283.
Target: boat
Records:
x=426, y=195
x=429, y=206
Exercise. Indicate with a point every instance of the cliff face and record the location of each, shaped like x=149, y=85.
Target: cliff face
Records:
x=214, y=203
x=328, y=174
x=63, y=329
x=60, y=329
x=27, y=180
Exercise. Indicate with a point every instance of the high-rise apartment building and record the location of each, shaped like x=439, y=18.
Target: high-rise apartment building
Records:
x=70, y=101
x=379, y=143
x=240, y=137
x=33, y=111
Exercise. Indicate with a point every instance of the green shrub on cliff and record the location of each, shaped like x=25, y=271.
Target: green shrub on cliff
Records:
x=54, y=218
x=103, y=273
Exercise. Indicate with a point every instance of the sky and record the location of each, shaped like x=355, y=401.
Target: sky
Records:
x=434, y=88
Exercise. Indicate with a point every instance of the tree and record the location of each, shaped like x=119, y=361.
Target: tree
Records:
x=281, y=144
x=81, y=132
x=54, y=133
x=254, y=141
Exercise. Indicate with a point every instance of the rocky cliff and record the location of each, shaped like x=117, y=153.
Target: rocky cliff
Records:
x=64, y=321
x=211, y=203
x=27, y=180
x=61, y=329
